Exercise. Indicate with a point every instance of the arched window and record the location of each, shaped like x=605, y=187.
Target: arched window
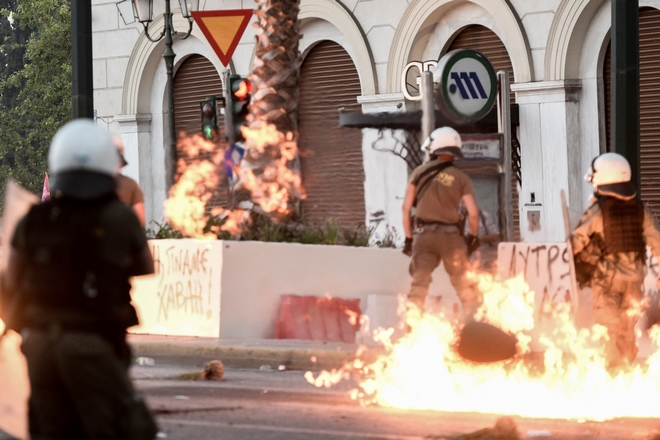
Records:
x=331, y=157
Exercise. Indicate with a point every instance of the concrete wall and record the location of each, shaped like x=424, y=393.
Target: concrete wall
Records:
x=231, y=289
x=254, y=275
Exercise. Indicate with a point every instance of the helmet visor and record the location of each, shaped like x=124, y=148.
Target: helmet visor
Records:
x=589, y=177
x=82, y=184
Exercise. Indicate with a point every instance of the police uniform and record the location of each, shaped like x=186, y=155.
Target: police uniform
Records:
x=68, y=283
x=436, y=234
x=613, y=235
x=609, y=246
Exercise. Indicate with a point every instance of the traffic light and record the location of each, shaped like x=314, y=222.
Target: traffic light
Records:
x=236, y=110
x=209, y=118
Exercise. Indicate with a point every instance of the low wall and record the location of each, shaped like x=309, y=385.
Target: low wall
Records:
x=232, y=289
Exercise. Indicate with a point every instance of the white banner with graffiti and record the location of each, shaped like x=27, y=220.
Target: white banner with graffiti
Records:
x=546, y=268
x=183, y=297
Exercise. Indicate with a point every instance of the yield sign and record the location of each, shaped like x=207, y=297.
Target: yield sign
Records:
x=223, y=29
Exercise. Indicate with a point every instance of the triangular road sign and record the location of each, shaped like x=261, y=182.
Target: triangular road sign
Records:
x=223, y=29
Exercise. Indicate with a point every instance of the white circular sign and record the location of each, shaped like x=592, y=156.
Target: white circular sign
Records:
x=466, y=83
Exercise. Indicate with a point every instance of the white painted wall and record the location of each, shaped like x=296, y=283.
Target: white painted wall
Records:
x=254, y=275
x=239, y=284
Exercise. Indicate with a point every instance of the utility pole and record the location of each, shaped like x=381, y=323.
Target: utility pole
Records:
x=81, y=59
x=625, y=83
x=428, y=106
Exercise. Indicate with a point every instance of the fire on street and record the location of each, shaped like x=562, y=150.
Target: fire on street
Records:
x=270, y=404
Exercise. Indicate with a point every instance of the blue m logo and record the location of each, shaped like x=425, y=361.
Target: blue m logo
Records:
x=467, y=82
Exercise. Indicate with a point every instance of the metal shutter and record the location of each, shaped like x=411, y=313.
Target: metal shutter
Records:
x=484, y=40
x=330, y=156
x=607, y=80
x=196, y=79
x=649, y=104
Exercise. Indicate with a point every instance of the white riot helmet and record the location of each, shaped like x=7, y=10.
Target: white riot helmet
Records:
x=82, y=160
x=610, y=175
x=444, y=140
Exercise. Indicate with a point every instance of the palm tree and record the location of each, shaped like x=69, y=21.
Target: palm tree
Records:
x=272, y=134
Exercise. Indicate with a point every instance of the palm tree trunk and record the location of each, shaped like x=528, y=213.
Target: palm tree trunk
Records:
x=273, y=157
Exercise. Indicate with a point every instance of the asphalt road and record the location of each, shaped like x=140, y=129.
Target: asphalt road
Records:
x=270, y=404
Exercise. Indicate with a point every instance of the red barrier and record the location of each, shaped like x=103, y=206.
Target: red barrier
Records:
x=320, y=319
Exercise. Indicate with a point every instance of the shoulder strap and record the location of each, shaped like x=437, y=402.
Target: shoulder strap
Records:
x=430, y=174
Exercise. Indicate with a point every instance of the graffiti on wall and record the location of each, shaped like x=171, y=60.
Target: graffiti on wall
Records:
x=183, y=296
x=545, y=267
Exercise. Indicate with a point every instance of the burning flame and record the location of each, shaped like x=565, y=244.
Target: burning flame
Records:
x=422, y=370
x=185, y=208
x=272, y=182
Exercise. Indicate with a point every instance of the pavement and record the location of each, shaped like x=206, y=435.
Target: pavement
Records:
x=290, y=354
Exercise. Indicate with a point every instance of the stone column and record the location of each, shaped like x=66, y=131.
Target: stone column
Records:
x=550, y=157
x=385, y=175
x=135, y=131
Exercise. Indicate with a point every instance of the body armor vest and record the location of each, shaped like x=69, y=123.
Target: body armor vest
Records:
x=623, y=225
x=66, y=277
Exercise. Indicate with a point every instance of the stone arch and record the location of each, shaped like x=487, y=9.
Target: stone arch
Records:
x=595, y=34
x=354, y=40
x=146, y=56
x=418, y=22
x=566, y=37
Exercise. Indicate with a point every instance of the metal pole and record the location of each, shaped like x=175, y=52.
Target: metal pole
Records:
x=82, y=86
x=168, y=55
x=504, y=127
x=428, y=109
x=625, y=83
x=229, y=117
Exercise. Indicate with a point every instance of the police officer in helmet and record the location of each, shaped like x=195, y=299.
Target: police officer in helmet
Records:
x=68, y=285
x=434, y=235
x=609, y=244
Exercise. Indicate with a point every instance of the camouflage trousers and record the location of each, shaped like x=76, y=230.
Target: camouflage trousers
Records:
x=616, y=307
x=443, y=244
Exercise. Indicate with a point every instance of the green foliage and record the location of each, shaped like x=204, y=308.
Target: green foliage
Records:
x=359, y=237
x=289, y=230
x=162, y=230
x=388, y=240
x=39, y=87
x=330, y=231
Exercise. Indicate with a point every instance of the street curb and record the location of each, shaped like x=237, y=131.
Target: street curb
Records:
x=246, y=357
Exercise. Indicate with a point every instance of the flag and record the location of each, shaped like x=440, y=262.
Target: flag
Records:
x=233, y=157
x=45, y=194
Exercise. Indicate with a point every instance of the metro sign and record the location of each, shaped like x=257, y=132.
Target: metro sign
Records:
x=465, y=85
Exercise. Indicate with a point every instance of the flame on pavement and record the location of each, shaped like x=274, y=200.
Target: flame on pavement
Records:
x=422, y=370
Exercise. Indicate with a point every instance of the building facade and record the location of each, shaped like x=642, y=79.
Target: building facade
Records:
x=557, y=53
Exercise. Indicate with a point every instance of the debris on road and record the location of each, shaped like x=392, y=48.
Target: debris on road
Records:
x=214, y=370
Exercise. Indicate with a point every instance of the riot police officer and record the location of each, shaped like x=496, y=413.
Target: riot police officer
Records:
x=434, y=235
x=609, y=244
x=68, y=283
